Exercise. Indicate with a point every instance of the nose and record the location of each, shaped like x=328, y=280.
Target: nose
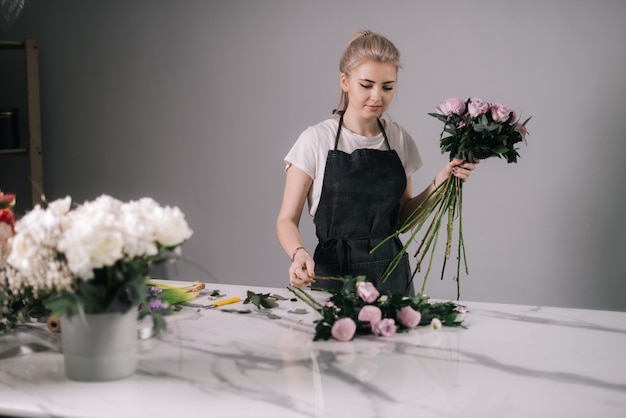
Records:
x=376, y=93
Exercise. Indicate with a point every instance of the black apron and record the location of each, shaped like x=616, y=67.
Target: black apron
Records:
x=358, y=208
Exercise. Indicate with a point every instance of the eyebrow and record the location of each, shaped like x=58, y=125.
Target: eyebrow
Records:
x=370, y=81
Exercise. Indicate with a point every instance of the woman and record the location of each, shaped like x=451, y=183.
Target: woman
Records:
x=355, y=170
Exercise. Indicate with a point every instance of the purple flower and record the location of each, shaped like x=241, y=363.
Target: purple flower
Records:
x=409, y=317
x=156, y=305
x=153, y=292
x=343, y=329
x=367, y=292
x=370, y=313
x=384, y=328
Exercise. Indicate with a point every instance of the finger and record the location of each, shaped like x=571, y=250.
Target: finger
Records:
x=299, y=282
x=310, y=268
x=461, y=173
x=303, y=274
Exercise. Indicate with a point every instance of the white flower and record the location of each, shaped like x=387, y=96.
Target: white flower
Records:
x=171, y=227
x=435, y=324
x=56, y=245
x=60, y=207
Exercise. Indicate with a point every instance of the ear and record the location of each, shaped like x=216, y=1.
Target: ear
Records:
x=343, y=80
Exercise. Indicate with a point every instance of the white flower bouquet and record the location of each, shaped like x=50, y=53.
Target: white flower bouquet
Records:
x=93, y=257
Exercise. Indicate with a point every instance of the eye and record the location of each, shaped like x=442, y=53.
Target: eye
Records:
x=387, y=88
x=366, y=86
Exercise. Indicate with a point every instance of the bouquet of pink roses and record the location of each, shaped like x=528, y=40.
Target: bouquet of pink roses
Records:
x=358, y=308
x=473, y=130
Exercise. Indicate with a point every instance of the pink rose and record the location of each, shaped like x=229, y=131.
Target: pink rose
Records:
x=500, y=112
x=453, y=105
x=367, y=292
x=477, y=107
x=343, y=329
x=384, y=328
x=521, y=129
x=370, y=313
x=409, y=317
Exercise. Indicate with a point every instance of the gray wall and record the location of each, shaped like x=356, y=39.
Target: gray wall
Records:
x=195, y=103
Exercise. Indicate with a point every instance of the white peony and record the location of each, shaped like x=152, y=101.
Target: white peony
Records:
x=55, y=245
x=171, y=227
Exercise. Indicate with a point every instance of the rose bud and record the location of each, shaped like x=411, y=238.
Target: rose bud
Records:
x=367, y=292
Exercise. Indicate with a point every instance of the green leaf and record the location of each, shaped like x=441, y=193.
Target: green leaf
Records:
x=261, y=300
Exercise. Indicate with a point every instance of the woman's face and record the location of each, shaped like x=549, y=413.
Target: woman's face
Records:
x=370, y=87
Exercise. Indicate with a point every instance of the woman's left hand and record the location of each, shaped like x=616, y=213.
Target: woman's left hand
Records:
x=457, y=167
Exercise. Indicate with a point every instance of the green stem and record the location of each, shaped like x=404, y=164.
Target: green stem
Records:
x=430, y=260
x=461, y=249
x=421, y=212
x=306, y=298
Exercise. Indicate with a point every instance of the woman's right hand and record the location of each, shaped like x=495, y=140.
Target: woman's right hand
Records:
x=301, y=270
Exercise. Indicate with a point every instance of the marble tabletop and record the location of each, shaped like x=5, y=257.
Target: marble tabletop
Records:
x=511, y=361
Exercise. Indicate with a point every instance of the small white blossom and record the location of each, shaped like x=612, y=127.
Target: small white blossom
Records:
x=435, y=324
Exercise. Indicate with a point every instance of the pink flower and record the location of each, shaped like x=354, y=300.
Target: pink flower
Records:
x=367, y=292
x=384, y=328
x=343, y=329
x=453, y=105
x=461, y=309
x=409, y=317
x=515, y=116
x=521, y=129
x=500, y=113
x=8, y=217
x=7, y=200
x=370, y=313
x=477, y=107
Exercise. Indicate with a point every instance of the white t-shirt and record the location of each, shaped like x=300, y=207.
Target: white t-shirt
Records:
x=310, y=151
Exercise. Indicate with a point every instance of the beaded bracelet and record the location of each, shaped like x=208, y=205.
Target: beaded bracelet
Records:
x=293, y=255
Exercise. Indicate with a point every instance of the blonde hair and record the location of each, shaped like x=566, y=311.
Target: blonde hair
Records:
x=365, y=46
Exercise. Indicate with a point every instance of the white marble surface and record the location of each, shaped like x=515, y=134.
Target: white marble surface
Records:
x=512, y=361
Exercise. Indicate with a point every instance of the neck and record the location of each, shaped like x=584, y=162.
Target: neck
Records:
x=360, y=126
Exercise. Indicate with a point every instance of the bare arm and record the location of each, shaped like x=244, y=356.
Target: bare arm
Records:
x=297, y=185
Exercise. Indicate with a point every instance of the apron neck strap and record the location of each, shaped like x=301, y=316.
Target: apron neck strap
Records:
x=380, y=125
